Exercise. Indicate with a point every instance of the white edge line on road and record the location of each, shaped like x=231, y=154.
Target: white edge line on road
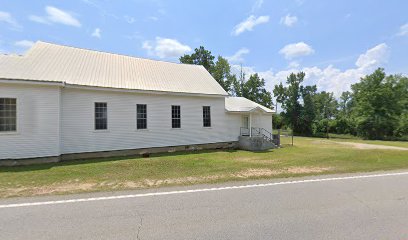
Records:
x=197, y=190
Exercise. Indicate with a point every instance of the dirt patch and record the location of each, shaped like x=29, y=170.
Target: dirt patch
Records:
x=371, y=146
x=257, y=160
x=300, y=170
x=46, y=190
x=322, y=142
x=256, y=172
x=252, y=172
x=72, y=187
x=260, y=172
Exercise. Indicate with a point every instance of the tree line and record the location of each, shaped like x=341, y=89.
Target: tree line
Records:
x=375, y=108
x=252, y=88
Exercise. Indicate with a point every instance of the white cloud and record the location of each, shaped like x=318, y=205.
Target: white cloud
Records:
x=55, y=15
x=403, y=30
x=289, y=20
x=238, y=56
x=165, y=48
x=257, y=5
x=329, y=78
x=374, y=56
x=96, y=33
x=294, y=64
x=296, y=50
x=249, y=23
x=7, y=18
x=148, y=46
x=39, y=19
x=153, y=18
x=24, y=43
x=59, y=16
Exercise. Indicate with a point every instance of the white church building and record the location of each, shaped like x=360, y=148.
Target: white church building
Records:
x=59, y=102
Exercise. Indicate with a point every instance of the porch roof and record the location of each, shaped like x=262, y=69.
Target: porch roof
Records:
x=241, y=104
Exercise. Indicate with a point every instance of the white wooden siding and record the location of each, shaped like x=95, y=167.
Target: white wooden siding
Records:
x=78, y=134
x=262, y=120
x=37, y=122
x=53, y=121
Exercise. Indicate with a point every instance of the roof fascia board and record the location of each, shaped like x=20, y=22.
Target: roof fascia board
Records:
x=247, y=112
x=259, y=109
x=31, y=82
x=62, y=84
x=140, y=91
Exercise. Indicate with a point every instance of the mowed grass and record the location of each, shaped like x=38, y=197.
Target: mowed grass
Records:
x=376, y=142
x=351, y=138
x=309, y=156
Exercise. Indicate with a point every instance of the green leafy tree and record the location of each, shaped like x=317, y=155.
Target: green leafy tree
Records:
x=376, y=108
x=345, y=103
x=220, y=70
x=222, y=73
x=254, y=89
x=377, y=105
x=238, y=84
x=277, y=121
x=401, y=94
x=308, y=111
x=344, y=124
x=325, y=110
x=289, y=98
x=201, y=56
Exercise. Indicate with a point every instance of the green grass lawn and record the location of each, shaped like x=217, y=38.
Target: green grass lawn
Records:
x=351, y=138
x=309, y=156
x=376, y=142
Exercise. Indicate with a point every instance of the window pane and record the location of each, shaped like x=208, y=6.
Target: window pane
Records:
x=175, y=116
x=8, y=114
x=206, y=116
x=101, y=116
x=141, y=116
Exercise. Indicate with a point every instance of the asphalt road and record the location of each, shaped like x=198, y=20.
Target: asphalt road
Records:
x=344, y=208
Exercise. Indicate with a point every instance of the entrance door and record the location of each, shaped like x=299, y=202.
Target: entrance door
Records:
x=245, y=125
x=245, y=121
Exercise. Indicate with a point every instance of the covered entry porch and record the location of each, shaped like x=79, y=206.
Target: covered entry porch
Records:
x=255, y=132
x=253, y=135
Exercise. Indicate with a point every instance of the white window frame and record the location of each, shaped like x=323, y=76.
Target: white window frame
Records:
x=176, y=118
x=107, y=117
x=145, y=118
x=16, y=117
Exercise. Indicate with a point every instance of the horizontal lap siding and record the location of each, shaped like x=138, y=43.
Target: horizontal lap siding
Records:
x=78, y=134
x=37, y=122
x=263, y=121
x=259, y=120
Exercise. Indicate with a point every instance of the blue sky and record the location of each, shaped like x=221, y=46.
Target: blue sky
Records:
x=334, y=42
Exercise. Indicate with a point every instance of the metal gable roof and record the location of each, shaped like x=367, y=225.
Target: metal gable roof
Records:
x=241, y=104
x=69, y=65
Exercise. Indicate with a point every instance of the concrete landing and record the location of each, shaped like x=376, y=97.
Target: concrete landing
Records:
x=254, y=143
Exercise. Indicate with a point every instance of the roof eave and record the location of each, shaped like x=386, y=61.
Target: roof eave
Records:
x=250, y=111
x=63, y=84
